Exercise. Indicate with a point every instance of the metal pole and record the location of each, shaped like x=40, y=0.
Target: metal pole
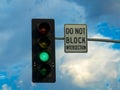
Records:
x=59, y=38
x=103, y=40
x=94, y=39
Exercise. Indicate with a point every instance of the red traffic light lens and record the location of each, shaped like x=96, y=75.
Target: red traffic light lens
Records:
x=44, y=28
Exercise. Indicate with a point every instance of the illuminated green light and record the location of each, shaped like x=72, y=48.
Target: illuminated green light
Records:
x=44, y=56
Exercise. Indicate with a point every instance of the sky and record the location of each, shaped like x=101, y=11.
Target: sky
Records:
x=98, y=69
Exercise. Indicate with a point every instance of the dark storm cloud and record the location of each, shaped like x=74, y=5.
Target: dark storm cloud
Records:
x=98, y=10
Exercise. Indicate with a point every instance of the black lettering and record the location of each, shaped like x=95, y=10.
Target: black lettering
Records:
x=69, y=31
x=68, y=47
x=79, y=39
x=71, y=41
x=83, y=30
x=67, y=39
x=76, y=47
x=79, y=30
x=83, y=39
x=75, y=39
x=76, y=30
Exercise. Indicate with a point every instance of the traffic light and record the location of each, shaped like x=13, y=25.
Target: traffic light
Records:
x=43, y=50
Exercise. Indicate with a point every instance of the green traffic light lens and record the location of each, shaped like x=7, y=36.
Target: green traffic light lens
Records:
x=43, y=71
x=44, y=56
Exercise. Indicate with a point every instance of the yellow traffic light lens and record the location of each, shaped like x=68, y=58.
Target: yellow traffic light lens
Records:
x=44, y=43
x=44, y=56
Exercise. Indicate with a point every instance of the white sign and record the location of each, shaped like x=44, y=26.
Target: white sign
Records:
x=75, y=38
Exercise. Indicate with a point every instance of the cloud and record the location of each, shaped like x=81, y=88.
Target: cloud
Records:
x=15, y=31
x=92, y=68
x=66, y=12
x=2, y=76
x=98, y=11
x=6, y=87
x=4, y=38
x=15, y=21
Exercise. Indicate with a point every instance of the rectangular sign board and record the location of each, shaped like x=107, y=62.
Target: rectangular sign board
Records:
x=75, y=38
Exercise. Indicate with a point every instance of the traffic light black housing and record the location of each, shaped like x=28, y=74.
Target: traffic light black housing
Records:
x=43, y=50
